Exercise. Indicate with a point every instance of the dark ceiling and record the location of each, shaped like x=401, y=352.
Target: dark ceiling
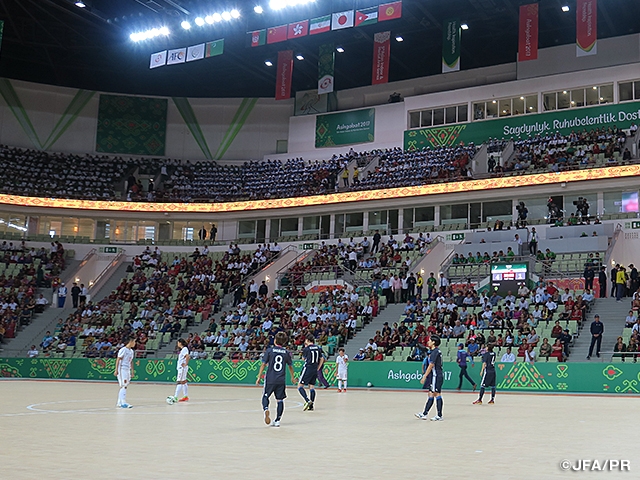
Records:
x=55, y=42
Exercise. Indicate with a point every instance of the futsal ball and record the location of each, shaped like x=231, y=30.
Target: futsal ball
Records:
x=369, y=384
x=171, y=400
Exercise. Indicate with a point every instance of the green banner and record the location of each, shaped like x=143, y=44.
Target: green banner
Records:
x=451, y=46
x=522, y=126
x=345, y=128
x=326, y=64
x=131, y=125
x=614, y=378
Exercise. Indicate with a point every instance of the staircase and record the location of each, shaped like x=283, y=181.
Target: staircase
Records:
x=390, y=314
x=613, y=315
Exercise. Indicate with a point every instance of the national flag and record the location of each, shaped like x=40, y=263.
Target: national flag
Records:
x=158, y=59
x=342, y=20
x=258, y=38
x=298, y=29
x=366, y=16
x=277, y=34
x=196, y=52
x=214, y=48
x=320, y=25
x=179, y=55
x=389, y=11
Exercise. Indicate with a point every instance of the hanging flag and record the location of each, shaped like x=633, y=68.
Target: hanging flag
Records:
x=320, y=25
x=158, y=59
x=326, y=62
x=195, y=52
x=389, y=11
x=528, y=43
x=451, y=46
x=284, y=74
x=179, y=55
x=298, y=29
x=586, y=28
x=214, y=48
x=258, y=37
x=381, y=53
x=277, y=34
x=342, y=20
x=366, y=16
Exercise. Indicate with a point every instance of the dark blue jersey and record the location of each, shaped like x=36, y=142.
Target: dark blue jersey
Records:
x=276, y=359
x=489, y=359
x=312, y=355
x=435, y=358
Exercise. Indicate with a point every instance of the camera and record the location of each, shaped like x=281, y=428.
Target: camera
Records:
x=554, y=211
x=582, y=207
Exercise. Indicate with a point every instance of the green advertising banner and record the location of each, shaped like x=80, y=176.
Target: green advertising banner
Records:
x=614, y=378
x=345, y=128
x=451, y=34
x=563, y=121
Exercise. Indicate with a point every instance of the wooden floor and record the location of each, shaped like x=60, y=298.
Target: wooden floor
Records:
x=71, y=430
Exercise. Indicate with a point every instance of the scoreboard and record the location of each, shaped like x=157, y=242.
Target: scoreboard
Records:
x=505, y=277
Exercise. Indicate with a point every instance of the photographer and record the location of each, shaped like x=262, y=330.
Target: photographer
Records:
x=582, y=208
x=522, y=215
x=554, y=211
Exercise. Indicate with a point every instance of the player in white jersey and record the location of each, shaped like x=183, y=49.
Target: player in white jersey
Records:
x=124, y=370
x=183, y=369
x=342, y=361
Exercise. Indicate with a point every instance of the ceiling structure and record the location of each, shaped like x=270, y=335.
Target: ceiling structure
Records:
x=55, y=42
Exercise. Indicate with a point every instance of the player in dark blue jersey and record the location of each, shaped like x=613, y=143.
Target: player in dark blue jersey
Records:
x=488, y=374
x=433, y=377
x=313, y=360
x=274, y=360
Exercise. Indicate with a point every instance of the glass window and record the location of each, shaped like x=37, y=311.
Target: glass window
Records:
x=577, y=98
x=492, y=211
x=478, y=111
x=353, y=221
x=531, y=104
x=289, y=226
x=462, y=113
x=625, y=91
x=378, y=219
x=592, y=96
x=450, y=114
x=310, y=225
x=505, y=107
x=426, y=118
x=407, y=219
x=339, y=225
x=414, y=119
x=424, y=216
x=274, y=231
x=548, y=101
x=454, y=213
x=612, y=202
x=563, y=100
x=636, y=90
x=438, y=116
x=606, y=94
x=492, y=109
x=518, y=106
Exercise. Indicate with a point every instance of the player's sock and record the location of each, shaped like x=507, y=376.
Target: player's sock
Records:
x=185, y=390
x=122, y=396
x=339, y=384
x=313, y=394
x=493, y=393
x=265, y=402
x=428, y=406
x=439, y=405
x=178, y=388
x=481, y=393
x=280, y=410
x=344, y=384
x=303, y=393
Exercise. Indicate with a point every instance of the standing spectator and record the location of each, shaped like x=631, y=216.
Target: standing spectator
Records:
x=396, y=287
x=62, y=295
x=345, y=177
x=518, y=241
x=597, y=329
x=589, y=275
x=411, y=287
x=444, y=283
x=385, y=285
x=602, y=279
x=633, y=279
x=614, y=273
x=202, y=233
x=75, y=294
x=376, y=242
x=462, y=363
x=621, y=283
x=84, y=291
x=213, y=232
x=431, y=284
x=263, y=290
x=533, y=241
x=356, y=175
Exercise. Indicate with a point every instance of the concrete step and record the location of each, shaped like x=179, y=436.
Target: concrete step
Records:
x=390, y=314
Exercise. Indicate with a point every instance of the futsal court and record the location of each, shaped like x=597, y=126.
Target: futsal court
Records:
x=72, y=430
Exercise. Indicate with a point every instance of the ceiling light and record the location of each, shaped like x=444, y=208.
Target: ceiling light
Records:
x=464, y=26
x=226, y=16
x=154, y=32
x=595, y=88
x=280, y=4
x=565, y=8
x=299, y=57
x=199, y=21
x=165, y=31
x=268, y=63
x=80, y=4
x=209, y=19
x=186, y=25
x=235, y=13
x=339, y=49
x=399, y=39
x=258, y=9
x=564, y=92
x=493, y=101
x=521, y=98
x=217, y=17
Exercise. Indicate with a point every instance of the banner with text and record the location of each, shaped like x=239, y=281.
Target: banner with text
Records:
x=564, y=121
x=284, y=74
x=381, y=54
x=345, y=128
x=586, y=27
x=451, y=46
x=326, y=62
x=528, y=37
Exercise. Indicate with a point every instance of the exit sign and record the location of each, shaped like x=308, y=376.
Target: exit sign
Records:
x=635, y=225
x=457, y=236
x=110, y=249
x=308, y=246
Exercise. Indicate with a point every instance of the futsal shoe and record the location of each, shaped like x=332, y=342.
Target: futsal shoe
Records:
x=126, y=405
x=437, y=418
x=477, y=402
x=276, y=423
x=491, y=402
x=310, y=406
x=184, y=399
x=306, y=406
x=339, y=390
x=267, y=418
x=421, y=416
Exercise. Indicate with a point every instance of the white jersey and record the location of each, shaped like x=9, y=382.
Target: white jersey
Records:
x=341, y=361
x=182, y=357
x=125, y=355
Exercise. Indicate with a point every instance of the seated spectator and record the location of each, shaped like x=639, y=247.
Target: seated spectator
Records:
x=545, y=349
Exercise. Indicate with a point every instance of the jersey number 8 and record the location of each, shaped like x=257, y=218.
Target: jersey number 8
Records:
x=277, y=363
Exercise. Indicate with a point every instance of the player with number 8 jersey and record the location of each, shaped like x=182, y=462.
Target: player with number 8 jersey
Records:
x=274, y=360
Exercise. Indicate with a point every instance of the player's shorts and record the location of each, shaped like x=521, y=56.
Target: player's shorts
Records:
x=488, y=379
x=434, y=383
x=124, y=377
x=309, y=376
x=278, y=389
x=182, y=374
x=342, y=375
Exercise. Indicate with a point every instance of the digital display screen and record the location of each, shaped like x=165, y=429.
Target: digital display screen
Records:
x=501, y=273
x=629, y=202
